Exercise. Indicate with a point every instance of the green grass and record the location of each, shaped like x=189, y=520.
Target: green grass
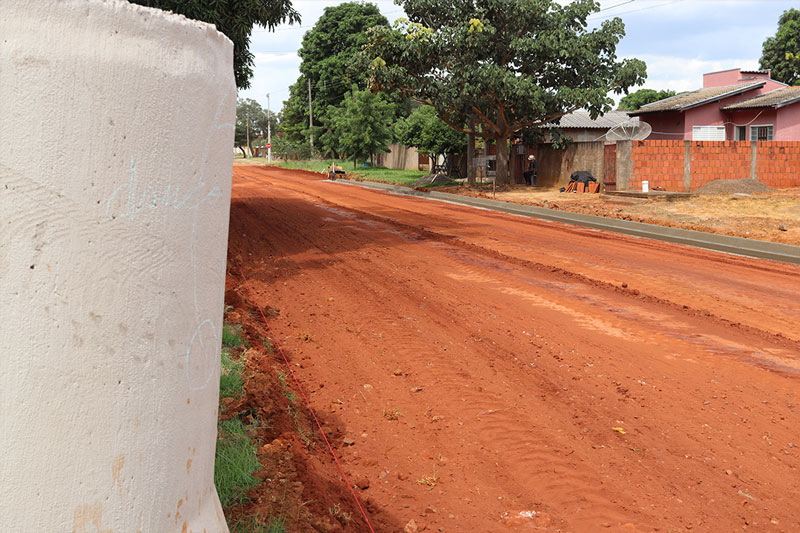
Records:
x=248, y=524
x=232, y=336
x=381, y=174
x=231, y=382
x=235, y=463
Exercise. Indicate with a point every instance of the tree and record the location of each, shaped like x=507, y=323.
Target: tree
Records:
x=781, y=53
x=637, y=99
x=250, y=118
x=429, y=134
x=326, y=53
x=236, y=21
x=511, y=65
x=362, y=124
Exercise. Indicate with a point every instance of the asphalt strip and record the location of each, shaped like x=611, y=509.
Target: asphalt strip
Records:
x=773, y=251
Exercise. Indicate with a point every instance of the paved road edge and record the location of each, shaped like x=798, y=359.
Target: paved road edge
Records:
x=784, y=253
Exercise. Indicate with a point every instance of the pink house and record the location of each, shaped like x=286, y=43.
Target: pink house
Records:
x=733, y=105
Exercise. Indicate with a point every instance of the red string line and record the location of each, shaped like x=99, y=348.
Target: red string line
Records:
x=308, y=403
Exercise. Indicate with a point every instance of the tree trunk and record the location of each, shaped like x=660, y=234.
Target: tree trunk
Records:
x=244, y=154
x=471, y=153
x=432, y=157
x=354, y=163
x=502, y=175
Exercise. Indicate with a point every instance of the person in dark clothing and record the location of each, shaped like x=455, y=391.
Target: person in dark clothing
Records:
x=530, y=174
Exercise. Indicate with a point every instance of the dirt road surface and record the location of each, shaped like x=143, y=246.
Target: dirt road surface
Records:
x=485, y=372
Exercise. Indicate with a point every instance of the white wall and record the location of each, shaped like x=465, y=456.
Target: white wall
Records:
x=115, y=165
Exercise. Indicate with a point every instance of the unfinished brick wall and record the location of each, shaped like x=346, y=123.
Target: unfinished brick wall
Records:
x=660, y=163
x=778, y=164
x=718, y=160
x=685, y=166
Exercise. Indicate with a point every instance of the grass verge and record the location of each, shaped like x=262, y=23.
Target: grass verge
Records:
x=235, y=463
x=236, y=459
x=380, y=174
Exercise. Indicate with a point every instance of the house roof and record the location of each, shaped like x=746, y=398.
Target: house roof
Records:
x=774, y=99
x=581, y=119
x=684, y=101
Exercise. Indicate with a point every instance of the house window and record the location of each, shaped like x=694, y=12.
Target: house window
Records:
x=740, y=133
x=708, y=133
x=761, y=133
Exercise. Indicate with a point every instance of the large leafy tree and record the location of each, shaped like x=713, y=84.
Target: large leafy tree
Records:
x=327, y=52
x=781, y=53
x=234, y=18
x=509, y=64
x=429, y=134
x=251, y=122
x=637, y=99
x=362, y=125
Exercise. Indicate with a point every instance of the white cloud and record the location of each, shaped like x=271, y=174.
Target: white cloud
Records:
x=686, y=74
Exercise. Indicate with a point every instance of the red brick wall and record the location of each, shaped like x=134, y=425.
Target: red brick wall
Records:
x=658, y=162
x=718, y=160
x=661, y=163
x=778, y=164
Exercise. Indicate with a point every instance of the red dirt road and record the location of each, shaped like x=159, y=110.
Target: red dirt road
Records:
x=500, y=373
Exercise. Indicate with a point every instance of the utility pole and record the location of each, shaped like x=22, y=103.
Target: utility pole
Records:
x=269, y=133
x=248, y=136
x=310, y=118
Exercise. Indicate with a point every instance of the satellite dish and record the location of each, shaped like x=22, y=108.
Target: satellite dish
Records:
x=630, y=130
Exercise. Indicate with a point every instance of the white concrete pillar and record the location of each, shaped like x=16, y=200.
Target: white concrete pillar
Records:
x=116, y=126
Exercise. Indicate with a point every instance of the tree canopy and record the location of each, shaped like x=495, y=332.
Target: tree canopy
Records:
x=251, y=122
x=511, y=65
x=362, y=125
x=637, y=99
x=327, y=52
x=236, y=21
x=429, y=134
x=781, y=53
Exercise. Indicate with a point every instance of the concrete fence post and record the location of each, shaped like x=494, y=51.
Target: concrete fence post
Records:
x=116, y=135
x=753, y=160
x=624, y=164
x=687, y=166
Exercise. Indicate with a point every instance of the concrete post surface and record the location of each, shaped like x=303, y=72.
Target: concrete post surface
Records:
x=624, y=164
x=116, y=127
x=687, y=166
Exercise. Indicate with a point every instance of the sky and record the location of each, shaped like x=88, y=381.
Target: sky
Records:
x=678, y=39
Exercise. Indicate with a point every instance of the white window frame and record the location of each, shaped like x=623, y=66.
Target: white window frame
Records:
x=771, y=131
x=736, y=129
x=716, y=129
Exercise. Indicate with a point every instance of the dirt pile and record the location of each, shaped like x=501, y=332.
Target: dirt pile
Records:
x=431, y=179
x=741, y=186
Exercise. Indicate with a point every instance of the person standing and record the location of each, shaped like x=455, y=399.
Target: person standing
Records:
x=530, y=174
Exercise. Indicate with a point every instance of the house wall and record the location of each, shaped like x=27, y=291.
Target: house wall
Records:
x=684, y=166
x=787, y=123
x=666, y=126
x=401, y=157
x=734, y=76
x=112, y=266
